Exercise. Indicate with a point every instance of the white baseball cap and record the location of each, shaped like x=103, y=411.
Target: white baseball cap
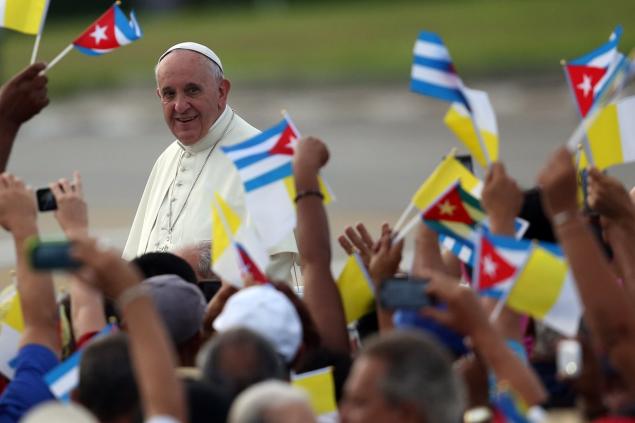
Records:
x=199, y=48
x=269, y=313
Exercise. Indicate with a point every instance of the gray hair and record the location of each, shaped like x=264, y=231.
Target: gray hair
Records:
x=215, y=70
x=204, y=265
x=261, y=361
x=252, y=404
x=418, y=372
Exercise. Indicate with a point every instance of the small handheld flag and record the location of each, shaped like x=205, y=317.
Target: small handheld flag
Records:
x=433, y=73
x=320, y=386
x=24, y=16
x=264, y=163
x=356, y=289
x=109, y=32
x=589, y=75
x=236, y=250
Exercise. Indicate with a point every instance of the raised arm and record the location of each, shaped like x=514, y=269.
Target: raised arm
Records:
x=320, y=292
x=609, y=198
x=87, y=303
x=18, y=214
x=152, y=354
x=22, y=97
x=608, y=312
x=465, y=315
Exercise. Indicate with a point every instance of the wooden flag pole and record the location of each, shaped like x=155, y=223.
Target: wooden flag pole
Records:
x=403, y=217
x=58, y=58
x=411, y=224
x=38, y=37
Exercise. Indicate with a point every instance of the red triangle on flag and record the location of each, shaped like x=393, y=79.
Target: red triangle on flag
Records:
x=492, y=267
x=101, y=33
x=449, y=208
x=250, y=267
x=583, y=80
x=283, y=146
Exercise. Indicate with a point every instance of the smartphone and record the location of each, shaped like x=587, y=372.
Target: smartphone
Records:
x=569, y=358
x=397, y=293
x=50, y=255
x=45, y=200
x=209, y=288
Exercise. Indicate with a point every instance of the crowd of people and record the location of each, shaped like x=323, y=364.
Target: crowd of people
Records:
x=185, y=348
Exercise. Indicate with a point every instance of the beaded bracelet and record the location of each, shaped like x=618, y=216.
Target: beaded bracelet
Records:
x=308, y=193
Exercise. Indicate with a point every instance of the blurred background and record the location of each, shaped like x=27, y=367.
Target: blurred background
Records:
x=340, y=68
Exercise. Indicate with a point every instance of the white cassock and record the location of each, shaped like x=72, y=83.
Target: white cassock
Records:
x=175, y=209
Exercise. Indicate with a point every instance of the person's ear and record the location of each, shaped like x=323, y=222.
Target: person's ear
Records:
x=223, y=89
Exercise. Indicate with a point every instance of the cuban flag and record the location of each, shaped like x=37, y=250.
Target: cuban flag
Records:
x=465, y=251
x=590, y=75
x=111, y=31
x=498, y=260
x=63, y=378
x=264, y=164
x=433, y=72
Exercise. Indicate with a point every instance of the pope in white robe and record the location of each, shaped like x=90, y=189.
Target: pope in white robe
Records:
x=175, y=208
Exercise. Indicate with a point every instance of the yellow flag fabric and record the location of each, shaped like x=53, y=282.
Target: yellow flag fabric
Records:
x=459, y=121
x=356, y=289
x=325, y=189
x=223, y=218
x=22, y=15
x=320, y=387
x=545, y=290
x=11, y=328
x=612, y=135
x=446, y=174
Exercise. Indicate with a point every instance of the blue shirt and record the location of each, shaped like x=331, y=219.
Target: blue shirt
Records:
x=27, y=389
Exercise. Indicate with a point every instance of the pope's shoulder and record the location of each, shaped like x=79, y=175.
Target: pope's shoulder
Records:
x=239, y=130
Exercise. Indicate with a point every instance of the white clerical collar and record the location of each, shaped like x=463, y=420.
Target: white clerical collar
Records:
x=215, y=133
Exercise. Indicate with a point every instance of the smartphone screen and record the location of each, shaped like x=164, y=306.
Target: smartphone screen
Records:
x=51, y=255
x=45, y=200
x=400, y=293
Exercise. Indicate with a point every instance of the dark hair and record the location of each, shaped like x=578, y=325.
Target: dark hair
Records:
x=238, y=358
x=107, y=385
x=310, y=335
x=162, y=263
x=205, y=402
x=417, y=372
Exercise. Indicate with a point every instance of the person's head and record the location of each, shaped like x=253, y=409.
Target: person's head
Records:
x=199, y=257
x=192, y=89
x=402, y=376
x=107, y=385
x=205, y=402
x=271, y=401
x=269, y=313
x=163, y=263
x=181, y=306
x=239, y=358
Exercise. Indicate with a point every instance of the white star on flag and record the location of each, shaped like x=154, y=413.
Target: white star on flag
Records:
x=489, y=266
x=99, y=33
x=446, y=208
x=585, y=85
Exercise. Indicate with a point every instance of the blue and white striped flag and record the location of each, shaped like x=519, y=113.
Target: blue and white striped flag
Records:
x=65, y=377
x=433, y=72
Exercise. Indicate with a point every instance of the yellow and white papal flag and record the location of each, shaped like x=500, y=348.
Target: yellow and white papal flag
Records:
x=23, y=15
x=459, y=121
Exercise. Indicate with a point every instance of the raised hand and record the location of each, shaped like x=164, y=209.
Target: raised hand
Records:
x=18, y=209
x=358, y=240
x=71, y=213
x=502, y=199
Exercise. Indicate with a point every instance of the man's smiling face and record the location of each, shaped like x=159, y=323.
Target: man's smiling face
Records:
x=191, y=97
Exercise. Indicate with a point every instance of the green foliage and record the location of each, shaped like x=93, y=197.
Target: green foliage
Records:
x=340, y=41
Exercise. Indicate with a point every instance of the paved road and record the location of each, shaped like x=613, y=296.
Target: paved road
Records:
x=383, y=139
